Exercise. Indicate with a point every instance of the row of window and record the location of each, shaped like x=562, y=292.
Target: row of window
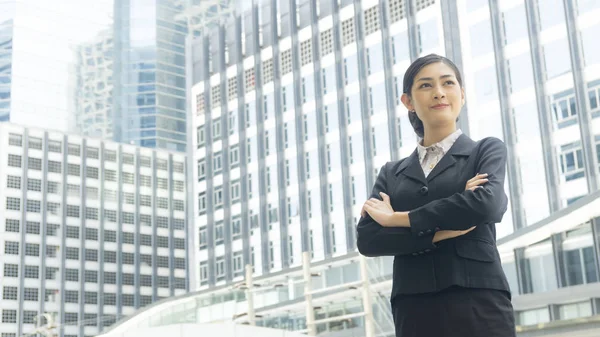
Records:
x=91, y=276
x=93, y=173
x=93, y=153
x=32, y=227
x=237, y=263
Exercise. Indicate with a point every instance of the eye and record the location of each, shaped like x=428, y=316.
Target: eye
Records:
x=424, y=85
x=451, y=82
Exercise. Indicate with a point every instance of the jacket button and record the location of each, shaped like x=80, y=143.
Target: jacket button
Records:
x=427, y=250
x=429, y=231
x=424, y=190
x=421, y=233
x=415, y=254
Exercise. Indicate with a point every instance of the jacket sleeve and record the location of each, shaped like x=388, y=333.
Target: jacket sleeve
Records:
x=376, y=240
x=463, y=210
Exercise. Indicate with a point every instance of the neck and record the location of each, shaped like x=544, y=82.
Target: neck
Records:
x=437, y=135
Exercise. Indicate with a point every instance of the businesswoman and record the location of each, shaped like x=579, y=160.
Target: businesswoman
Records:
x=435, y=212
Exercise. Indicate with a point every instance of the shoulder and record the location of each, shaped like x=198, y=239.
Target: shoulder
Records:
x=491, y=145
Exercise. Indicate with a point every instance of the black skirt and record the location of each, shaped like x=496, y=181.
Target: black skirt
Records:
x=455, y=312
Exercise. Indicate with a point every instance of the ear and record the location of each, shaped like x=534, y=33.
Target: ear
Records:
x=406, y=100
x=462, y=96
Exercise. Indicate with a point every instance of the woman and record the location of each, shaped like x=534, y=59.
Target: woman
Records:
x=435, y=212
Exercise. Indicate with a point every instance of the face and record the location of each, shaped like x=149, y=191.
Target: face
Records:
x=436, y=96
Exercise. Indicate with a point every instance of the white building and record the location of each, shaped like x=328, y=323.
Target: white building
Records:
x=90, y=230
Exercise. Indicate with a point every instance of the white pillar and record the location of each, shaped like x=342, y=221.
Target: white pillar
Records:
x=366, y=298
x=250, y=295
x=310, y=313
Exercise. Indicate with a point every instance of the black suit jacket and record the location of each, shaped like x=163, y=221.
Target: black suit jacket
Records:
x=440, y=202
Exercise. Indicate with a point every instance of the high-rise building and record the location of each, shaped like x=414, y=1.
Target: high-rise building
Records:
x=296, y=106
x=93, y=88
x=90, y=230
x=37, y=58
x=149, y=97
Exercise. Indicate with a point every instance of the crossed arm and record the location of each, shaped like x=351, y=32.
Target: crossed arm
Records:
x=381, y=231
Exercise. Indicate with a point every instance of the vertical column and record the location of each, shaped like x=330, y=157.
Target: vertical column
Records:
x=508, y=122
x=100, y=293
x=254, y=40
x=343, y=124
x=23, y=232
x=365, y=104
x=321, y=132
x=595, y=224
x=82, y=231
x=453, y=45
x=523, y=271
x=583, y=108
x=225, y=153
x=250, y=295
x=544, y=110
x=559, y=264
x=297, y=84
x=413, y=29
x=62, y=232
x=554, y=311
x=120, y=201
x=310, y=312
x=137, y=235
x=366, y=297
x=390, y=85
x=154, y=227
x=44, y=210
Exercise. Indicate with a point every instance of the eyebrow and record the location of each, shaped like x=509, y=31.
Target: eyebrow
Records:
x=431, y=79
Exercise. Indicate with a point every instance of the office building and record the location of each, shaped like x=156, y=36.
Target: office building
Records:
x=149, y=97
x=91, y=230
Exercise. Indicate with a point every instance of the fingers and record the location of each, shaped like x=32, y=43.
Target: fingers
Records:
x=385, y=197
x=477, y=176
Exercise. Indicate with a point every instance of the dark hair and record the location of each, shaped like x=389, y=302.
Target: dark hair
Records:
x=409, y=79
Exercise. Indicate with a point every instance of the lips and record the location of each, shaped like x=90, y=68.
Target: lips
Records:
x=440, y=106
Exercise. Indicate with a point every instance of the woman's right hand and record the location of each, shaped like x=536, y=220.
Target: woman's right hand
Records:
x=472, y=184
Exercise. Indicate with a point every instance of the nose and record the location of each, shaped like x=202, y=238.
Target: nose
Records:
x=439, y=93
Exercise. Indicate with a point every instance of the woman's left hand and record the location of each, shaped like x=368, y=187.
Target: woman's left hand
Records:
x=380, y=210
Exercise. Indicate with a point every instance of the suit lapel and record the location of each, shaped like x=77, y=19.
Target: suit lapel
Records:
x=461, y=147
x=411, y=168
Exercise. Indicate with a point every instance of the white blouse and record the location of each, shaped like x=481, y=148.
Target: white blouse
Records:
x=431, y=155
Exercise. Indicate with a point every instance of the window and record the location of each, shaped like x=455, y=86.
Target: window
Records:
x=127, y=258
x=218, y=197
x=14, y=160
x=162, y=183
x=128, y=198
x=33, y=206
x=9, y=293
x=74, y=150
x=161, y=164
x=145, y=200
x=203, y=273
x=201, y=170
x=234, y=156
x=32, y=272
x=54, y=166
x=51, y=251
x=34, y=185
x=52, y=229
x=202, y=238
x=32, y=227
x=13, y=182
x=128, y=300
x=178, y=167
x=220, y=268
x=145, y=181
x=71, y=296
x=565, y=111
x=200, y=136
x=162, y=203
x=53, y=187
x=235, y=190
x=110, y=156
x=12, y=225
x=216, y=128
x=162, y=242
x=232, y=122
x=146, y=281
x=73, y=170
x=51, y=273
x=202, y=205
x=35, y=143
x=31, y=294
x=11, y=270
x=127, y=217
x=9, y=316
x=72, y=253
x=32, y=249
x=91, y=234
x=110, y=299
x=13, y=204
x=11, y=248
x=217, y=163
x=90, y=297
x=15, y=139
x=72, y=232
x=34, y=164
x=128, y=178
x=54, y=146
x=128, y=279
x=71, y=318
x=145, y=161
x=127, y=158
x=110, y=215
x=178, y=205
x=266, y=143
x=162, y=222
x=178, y=186
x=110, y=277
x=91, y=172
x=238, y=264
x=109, y=175
x=110, y=256
x=162, y=262
x=571, y=161
x=145, y=240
